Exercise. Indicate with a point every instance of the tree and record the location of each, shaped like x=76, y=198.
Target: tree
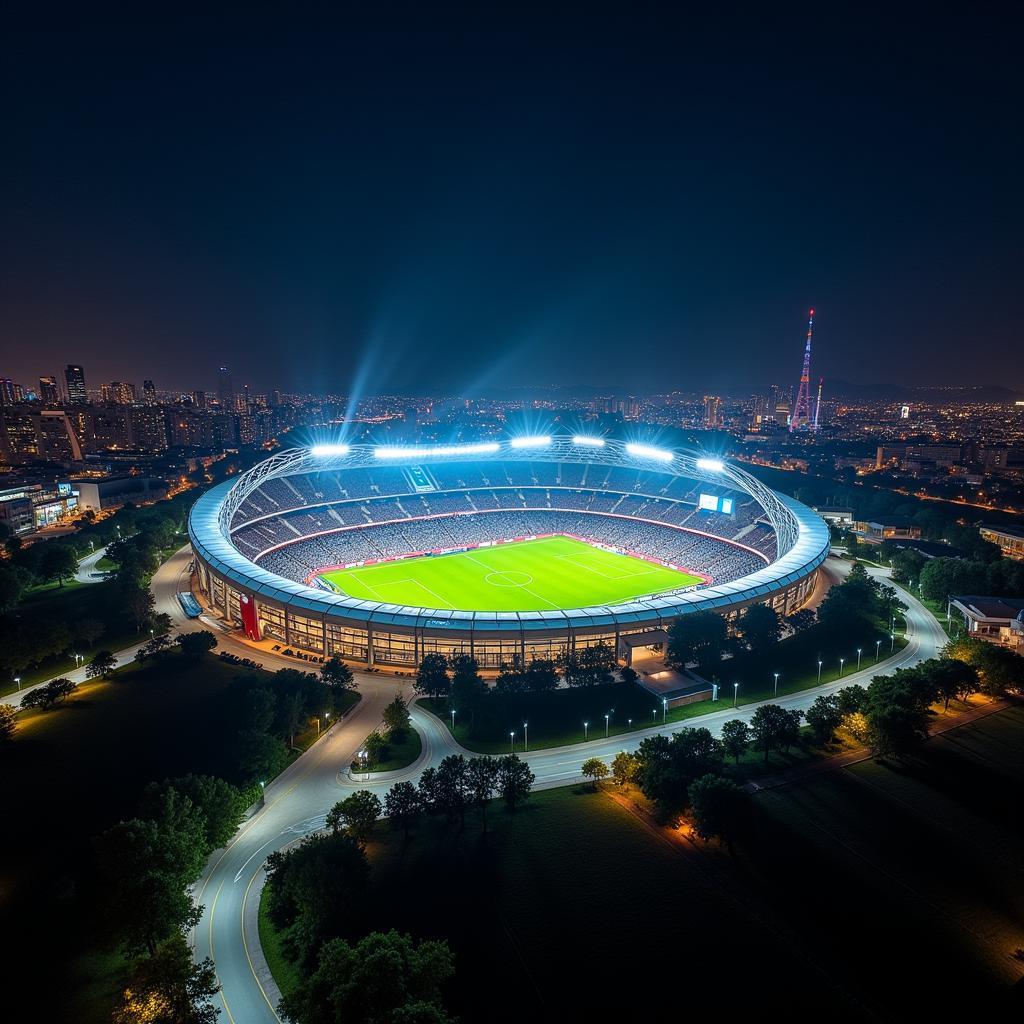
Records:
x=701, y=638
x=802, y=620
x=451, y=786
x=396, y=717
x=222, y=805
x=375, y=746
x=515, y=780
x=147, y=864
x=48, y=696
x=481, y=782
x=824, y=717
x=468, y=690
x=313, y=890
x=907, y=565
x=12, y=586
x=735, y=738
x=101, y=666
x=767, y=726
x=356, y=815
x=541, y=675
x=720, y=808
x=403, y=806
x=850, y=700
x=169, y=987
x=88, y=631
x=624, y=767
x=953, y=679
x=760, y=627
x=58, y=562
x=8, y=722
x=259, y=756
x=337, y=675
x=594, y=769
x=384, y=978
x=432, y=677
x=137, y=603
x=195, y=645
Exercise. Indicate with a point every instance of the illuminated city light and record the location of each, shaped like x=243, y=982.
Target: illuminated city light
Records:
x=385, y=451
x=712, y=465
x=538, y=441
x=583, y=441
x=320, y=451
x=644, y=451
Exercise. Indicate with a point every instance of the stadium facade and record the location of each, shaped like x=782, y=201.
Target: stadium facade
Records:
x=259, y=541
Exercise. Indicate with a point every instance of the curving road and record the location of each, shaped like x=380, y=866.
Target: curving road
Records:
x=297, y=801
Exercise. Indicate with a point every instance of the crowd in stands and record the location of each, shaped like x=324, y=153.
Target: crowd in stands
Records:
x=339, y=517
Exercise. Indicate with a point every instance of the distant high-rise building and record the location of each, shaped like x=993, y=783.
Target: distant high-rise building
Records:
x=225, y=392
x=712, y=411
x=8, y=391
x=118, y=392
x=149, y=392
x=74, y=378
x=199, y=399
x=49, y=392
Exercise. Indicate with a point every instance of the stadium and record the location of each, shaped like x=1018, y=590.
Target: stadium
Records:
x=524, y=547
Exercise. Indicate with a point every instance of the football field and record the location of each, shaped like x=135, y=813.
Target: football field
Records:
x=525, y=576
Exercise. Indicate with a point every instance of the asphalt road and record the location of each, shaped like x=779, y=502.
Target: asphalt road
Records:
x=298, y=800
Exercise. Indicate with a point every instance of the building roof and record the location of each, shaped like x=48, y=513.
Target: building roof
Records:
x=991, y=607
x=1009, y=531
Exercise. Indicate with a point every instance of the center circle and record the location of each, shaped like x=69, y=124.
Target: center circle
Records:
x=508, y=578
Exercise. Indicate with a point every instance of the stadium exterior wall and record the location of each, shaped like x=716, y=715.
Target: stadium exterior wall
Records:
x=298, y=616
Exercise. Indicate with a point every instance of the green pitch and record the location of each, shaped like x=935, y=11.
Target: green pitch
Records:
x=526, y=576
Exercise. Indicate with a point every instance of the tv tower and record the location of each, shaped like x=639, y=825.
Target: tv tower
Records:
x=801, y=416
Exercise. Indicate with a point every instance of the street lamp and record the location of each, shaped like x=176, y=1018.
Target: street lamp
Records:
x=664, y=709
x=526, y=735
x=17, y=680
x=858, y=659
x=892, y=642
x=819, y=671
x=841, y=660
x=654, y=716
x=776, y=674
x=586, y=731
x=735, y=693
x=512, y=742
x=362, y=757
x=629, y=722
x=878, y=643
x=453, y=719
x=606, y=727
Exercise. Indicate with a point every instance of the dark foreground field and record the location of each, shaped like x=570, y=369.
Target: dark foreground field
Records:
x=873, y=892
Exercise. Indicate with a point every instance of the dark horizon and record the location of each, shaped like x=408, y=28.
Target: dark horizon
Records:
x=465, y=204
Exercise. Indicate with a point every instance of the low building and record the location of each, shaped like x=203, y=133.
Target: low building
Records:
x=115, y=491
x=888, y=528
x=999, y=620
x=1009, y=538
x=834, y=514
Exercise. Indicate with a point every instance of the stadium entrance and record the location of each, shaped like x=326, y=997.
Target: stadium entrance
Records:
x=644, y=650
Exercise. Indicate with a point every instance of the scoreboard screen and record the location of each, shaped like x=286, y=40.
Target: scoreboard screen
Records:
x=716, y=503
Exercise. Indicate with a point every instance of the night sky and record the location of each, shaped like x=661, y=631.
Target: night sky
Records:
x=459, y=203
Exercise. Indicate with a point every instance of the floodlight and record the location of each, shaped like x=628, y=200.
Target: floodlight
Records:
x=713, y=465
x=644, y=451
x=319, y=451
x=540, y=441
x=388, y=451
x=583, y=441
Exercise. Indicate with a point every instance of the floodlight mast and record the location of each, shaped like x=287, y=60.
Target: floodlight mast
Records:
x=682, y=462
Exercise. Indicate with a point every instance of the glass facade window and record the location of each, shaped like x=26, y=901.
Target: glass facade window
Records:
x=306, y=632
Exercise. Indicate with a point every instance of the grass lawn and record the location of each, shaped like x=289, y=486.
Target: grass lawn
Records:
x=400, y=753
x=530, y=575
x=72, y=604
x=542, y=933
x=285, y=973
x=886, y=892
x=556, y=719
x=76, y=771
